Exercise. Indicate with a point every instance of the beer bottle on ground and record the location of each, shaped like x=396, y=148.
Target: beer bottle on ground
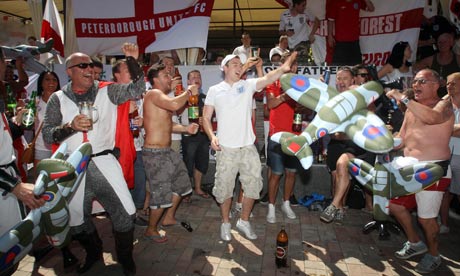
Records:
x=281, y=248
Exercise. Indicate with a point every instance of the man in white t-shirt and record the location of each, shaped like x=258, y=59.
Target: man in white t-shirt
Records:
x=276, y=53
x=231, y=99
x=294, y=24
x=244, y=51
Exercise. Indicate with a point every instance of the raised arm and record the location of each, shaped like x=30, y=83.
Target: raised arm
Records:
x=272, y=76
x=440, y=113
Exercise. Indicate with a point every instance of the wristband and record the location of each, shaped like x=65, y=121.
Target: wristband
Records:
x=405, y=100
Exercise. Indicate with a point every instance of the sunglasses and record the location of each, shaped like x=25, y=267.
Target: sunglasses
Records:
x=421, y=81
x=82, y=65
x=363, y=75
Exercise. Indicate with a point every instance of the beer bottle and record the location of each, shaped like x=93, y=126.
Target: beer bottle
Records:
x=179, y=88
x=282, y=242
x=11, y=102
x=134, y=128
x=28, y=118
x=193, y=109
x=327, y=74
x=320, y=151
x=297, y=122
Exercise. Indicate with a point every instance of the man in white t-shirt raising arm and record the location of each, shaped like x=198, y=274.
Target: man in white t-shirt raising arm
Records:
x=294, y=24
x=231, y=99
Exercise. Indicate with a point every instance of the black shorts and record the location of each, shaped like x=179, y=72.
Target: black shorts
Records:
x=336, y=148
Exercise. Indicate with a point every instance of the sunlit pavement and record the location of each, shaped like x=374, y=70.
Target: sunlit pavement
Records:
x=315, y=248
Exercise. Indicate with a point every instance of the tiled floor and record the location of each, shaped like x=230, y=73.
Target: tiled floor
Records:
x=315, y=248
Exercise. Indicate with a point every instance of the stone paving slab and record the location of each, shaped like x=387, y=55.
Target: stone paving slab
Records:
x=315, y=248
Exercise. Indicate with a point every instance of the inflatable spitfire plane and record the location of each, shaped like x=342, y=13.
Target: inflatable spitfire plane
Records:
x=387, y=181
x=347, y=112
x=336, y=112
x=27, y=52
x=56, y=183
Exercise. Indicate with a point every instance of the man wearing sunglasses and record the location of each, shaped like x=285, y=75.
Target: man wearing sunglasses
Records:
x=104, y=177
x=425, y=135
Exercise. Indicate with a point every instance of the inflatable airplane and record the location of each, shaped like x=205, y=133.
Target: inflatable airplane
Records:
x=386, y=181
x=56, y=183
x=336, y=112
x=27, y=52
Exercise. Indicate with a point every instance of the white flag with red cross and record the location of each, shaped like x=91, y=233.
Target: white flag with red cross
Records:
x=155, y=25
x=52, y=27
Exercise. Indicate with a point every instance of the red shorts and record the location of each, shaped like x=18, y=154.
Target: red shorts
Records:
x=409, y=201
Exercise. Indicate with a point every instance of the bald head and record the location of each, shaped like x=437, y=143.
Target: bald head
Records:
x=73, y=58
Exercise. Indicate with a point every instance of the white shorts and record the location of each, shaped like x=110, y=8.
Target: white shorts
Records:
x=428, y=203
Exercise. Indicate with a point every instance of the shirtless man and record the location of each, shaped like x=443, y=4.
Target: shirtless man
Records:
x=427, y=119
x=164, y=168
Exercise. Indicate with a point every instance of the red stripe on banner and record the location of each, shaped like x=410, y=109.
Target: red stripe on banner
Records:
x=282, y=3
x=391, y=23
x=49, y=32
x=144, y=24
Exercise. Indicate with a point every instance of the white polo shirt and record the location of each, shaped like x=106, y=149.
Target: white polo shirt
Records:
x=233, y=105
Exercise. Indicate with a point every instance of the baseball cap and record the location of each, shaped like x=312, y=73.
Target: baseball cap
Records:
x=226, y=59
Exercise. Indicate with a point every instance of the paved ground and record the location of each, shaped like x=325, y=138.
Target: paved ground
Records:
x=315, y=248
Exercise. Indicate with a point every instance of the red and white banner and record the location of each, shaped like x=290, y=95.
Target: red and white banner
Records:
x=391, y=21
x=52, y=27
x=155, y=25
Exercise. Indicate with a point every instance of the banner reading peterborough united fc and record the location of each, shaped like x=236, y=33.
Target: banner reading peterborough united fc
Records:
x=102, y=26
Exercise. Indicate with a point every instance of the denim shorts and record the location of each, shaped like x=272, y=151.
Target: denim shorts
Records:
x=278, y=161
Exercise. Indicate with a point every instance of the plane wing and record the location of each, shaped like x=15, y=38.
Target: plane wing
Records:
x=346, y=111
x=53, y=217
x=387, y=182
x=309, y=92
x=368, y=131
x=33, y=65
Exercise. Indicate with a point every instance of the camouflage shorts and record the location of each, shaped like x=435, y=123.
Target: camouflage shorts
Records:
x=230, y=161
x=166, y=175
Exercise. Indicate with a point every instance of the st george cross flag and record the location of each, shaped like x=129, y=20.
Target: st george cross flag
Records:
x=391, y=21
x=155, y=25
x=52, y=27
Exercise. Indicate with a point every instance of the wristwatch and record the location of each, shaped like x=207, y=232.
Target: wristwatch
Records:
x=405, y=100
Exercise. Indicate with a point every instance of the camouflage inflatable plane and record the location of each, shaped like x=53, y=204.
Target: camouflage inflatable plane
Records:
x=336, y=112
x=56, y=183
x=387, y=182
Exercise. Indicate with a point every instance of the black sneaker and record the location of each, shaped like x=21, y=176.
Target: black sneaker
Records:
x=293, y=201
x=264, y=199
x=141, y=222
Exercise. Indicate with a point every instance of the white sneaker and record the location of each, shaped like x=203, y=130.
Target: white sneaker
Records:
x=245, y=227
x=225, y=234
x=237, y=210
x=286, y=208
x=271, y=216
x=443, y=229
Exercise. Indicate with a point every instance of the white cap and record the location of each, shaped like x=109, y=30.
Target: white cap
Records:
x=278, y=51
x=226, y=59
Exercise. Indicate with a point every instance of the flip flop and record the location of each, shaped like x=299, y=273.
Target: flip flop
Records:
x=203, y=195
x=156, y=238
x=184, y=224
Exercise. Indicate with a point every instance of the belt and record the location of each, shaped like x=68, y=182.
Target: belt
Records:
x=104, y=152
x=11, y=164
x=157, y=149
